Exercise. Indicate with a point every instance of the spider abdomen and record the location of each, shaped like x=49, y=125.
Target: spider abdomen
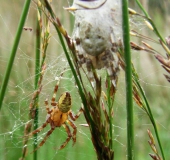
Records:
x=64, y=103
x=92, y=39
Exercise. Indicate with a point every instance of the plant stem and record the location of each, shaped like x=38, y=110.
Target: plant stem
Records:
x=150, y=21
x=128, y=74
x=37, y=74
x=13, y=51
x=152, y=119
x=110, y=106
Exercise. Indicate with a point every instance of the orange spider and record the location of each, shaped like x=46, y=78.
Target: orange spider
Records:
x=58, y=116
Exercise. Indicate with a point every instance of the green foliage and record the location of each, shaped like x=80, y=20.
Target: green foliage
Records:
x=15, y=110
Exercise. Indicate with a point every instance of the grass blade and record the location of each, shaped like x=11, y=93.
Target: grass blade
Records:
x=128, y=74
x=37, y=74
x=150, y=21
x=13, y=51
x=149, y=112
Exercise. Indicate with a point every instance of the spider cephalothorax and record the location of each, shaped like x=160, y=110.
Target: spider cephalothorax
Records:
x=97, y=34
x=58, y=116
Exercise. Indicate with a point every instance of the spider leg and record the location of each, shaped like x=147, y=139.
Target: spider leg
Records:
x=74, y=130
x=111, y=62
x=68, y=136
x=89, y=69
x=74, y=117
x=77, y=43
x=38, y=129
x=53, y=102
x=113, y=57
x=80, y=53
x=47, y=106
x=113, y=73
x=45, y=138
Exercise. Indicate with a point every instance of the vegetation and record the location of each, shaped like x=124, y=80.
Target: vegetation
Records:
x=37, y=68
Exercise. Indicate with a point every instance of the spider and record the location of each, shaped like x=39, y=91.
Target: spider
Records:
x=97, y=35
x=58, y=116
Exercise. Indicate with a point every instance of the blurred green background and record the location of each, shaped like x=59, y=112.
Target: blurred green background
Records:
x=15, y=109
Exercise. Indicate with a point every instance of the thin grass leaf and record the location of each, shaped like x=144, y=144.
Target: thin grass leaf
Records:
x=150, y=21
x=40, y=68
x=128, y=74
x=13, y=51
x=149, y=112
x=37, y=74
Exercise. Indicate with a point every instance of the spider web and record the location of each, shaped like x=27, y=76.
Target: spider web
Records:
x=15, y=109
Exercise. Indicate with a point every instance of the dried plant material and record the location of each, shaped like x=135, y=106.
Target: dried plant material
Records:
x=167, y=77
x=165, y=47
x=147, y=45
x=168, y=41
x=149, y=25
x=163, y=61
x=166, y=68
x=154, y=157
x=136, y=97
x=136, y=47
x=132, y=11
x=151, y=142
x=133, y=33
x=28, y=29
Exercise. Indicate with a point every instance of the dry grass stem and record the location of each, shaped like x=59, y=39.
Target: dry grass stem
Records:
x=151, y=142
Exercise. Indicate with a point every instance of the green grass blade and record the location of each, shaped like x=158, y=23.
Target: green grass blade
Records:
x=151, y=118
x=150, y=21
x=37, y=74
x=13, y=51
x=128, y=73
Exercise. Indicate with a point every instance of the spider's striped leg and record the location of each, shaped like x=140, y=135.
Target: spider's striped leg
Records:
x=47, y=106
x=53, y=99
x=113, y=73
x=39, y=129
x=74, y=130
x=89, y=69
x=114, y=56
x=80, y=52
x=77, y=43
x=74, y=117
x=45, y=138
x=68, y=136
x=111, y=62
x=53, y=102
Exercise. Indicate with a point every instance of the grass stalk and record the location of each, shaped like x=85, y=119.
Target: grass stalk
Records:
x=110, y=112
x=128, y=75
x=140, y=98
x=40, y=67
x=146, y=106
x=149, y=112
x=110, y=101
x=150, y=21
x=13, y=51
x=37, y=74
